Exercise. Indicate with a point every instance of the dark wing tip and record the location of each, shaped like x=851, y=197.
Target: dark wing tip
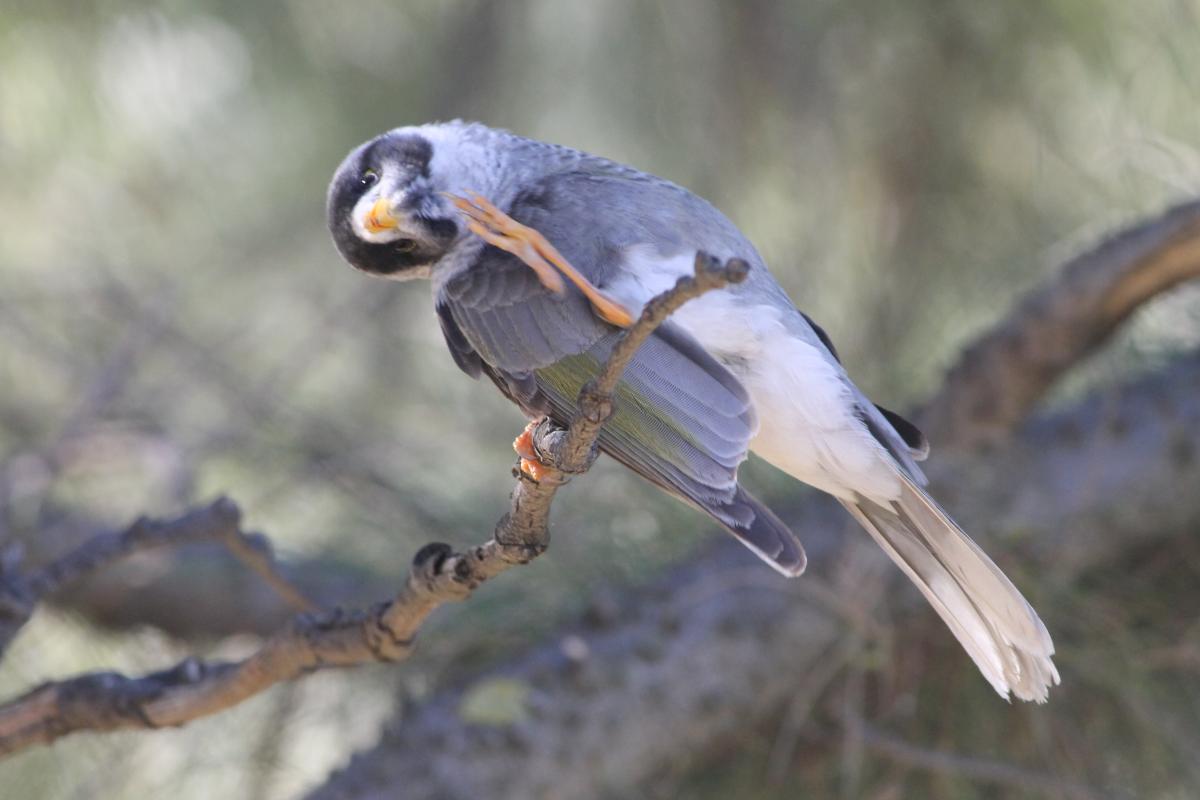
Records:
x=764, y=533
x=822, y=335
x=917, y=444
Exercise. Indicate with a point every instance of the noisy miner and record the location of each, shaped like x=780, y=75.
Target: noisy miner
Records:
x=540, y=254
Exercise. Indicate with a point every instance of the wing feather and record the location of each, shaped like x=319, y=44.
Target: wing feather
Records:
x=682, y=420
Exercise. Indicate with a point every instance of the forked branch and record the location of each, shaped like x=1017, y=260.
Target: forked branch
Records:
x=105, y=701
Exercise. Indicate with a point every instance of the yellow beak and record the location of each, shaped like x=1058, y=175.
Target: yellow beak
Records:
x=380, y=218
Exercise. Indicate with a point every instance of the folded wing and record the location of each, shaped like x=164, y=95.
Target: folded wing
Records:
x=682, y=420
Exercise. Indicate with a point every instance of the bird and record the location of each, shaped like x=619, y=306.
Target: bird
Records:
x=539, y=255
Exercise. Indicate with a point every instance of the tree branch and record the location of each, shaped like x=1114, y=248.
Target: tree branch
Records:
x=994, y=385
x=1000, y=377
x=218, y=522
x=161, y=590
x=1071, y=489
x=383, y=633
x=658, y=680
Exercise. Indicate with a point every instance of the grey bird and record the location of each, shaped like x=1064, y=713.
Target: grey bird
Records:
x=498, y=221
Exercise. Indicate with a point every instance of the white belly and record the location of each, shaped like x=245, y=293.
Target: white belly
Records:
x=806, y=421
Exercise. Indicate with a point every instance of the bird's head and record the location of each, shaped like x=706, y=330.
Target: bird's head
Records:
x=384, y=210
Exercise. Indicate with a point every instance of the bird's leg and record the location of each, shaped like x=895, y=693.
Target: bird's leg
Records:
x=498, y=229
x=531, y=465
x=493, y=231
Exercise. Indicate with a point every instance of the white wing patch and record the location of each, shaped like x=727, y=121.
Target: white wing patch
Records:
x=807, y=424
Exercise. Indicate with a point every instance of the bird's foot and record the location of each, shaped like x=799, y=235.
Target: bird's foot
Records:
x=531, y=464
x=500, y=230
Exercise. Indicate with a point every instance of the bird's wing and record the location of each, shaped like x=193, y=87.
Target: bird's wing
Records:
x=682, y=420
x=658, y=221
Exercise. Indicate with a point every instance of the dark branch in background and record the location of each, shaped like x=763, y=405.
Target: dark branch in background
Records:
x=1116, y=469
x=217, y=522
x=996, y=383
x=660, y=680
x=160, y=588
x=1070, y=490
x=998, y=379
x=385, y=632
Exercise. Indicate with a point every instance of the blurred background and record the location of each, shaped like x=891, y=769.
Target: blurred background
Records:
x=175, y=324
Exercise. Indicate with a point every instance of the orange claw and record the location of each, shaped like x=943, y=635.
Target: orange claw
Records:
x=523, y=444
x=533, y=469
x=530, y=464
x=502, y=231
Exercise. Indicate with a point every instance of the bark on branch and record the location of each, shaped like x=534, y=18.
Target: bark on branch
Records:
x=655, y=682
x=998, y=379
x=996, y=383
x=1119, y=468
x=383, y=633
x=159, y=588
x=219, y=522
x=609, y=706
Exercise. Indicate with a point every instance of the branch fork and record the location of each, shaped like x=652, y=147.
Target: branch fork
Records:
x=385, y=632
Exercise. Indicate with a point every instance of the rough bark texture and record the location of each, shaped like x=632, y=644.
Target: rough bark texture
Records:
x=660, y=679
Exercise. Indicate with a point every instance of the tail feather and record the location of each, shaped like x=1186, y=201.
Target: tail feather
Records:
x=987, y=614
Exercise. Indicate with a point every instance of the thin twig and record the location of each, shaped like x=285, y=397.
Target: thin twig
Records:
x=382, y=633
x=99, y=551
x=254, y=550
x=220, y=521
x=972, y=767
x=800, y=707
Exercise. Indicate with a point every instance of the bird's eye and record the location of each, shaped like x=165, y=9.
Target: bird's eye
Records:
x=406, y=245
x=369, y=178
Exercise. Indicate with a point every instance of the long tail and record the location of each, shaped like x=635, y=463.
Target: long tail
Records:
x=996, y=625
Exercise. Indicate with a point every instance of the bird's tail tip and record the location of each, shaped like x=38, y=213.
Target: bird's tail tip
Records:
x=992, y=620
